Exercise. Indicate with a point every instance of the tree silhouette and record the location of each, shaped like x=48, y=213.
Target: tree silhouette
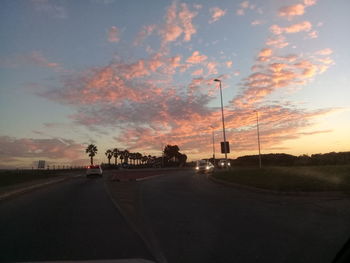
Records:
x=91, y=150
x=109, y=154
x=171, y=151
x=116, y=153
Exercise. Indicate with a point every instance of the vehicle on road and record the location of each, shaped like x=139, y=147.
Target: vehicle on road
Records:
x=204, y=166
x=94, y=170
x=224, y=163
x=125, y=166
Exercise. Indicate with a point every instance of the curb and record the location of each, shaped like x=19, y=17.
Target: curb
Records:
x=280, y=193
x=32, y=187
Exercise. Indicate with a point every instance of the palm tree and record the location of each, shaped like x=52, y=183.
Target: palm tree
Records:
x=133, y=156
x=91, y=150
x=144, y=159
x=138, y=157
x=116, y=153
x=109, y=154
x=126, y=155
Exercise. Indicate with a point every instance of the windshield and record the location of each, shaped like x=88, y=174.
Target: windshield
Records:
x=174, y=130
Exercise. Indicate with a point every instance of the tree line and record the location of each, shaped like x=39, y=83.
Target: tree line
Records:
x=282, y=159
x=171, y=156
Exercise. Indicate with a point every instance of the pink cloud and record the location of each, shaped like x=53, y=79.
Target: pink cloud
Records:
x=40, y=148
x=178, y=23
x=244, y=4
x=113, y=34
x=196, y=58
x=216, y=14
x=313, y=34
x=310, y=2
x=303, y=26
x=293, y=10
x=266, y=52
x=240, y=12
x=35, y=58
x=145, y=32
x=211, y=66
x=229, y=64
x=142, y=100
x=278, y=41
x=198, y=72
x=324, y=52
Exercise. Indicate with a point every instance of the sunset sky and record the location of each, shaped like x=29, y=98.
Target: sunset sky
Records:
x=139, y=75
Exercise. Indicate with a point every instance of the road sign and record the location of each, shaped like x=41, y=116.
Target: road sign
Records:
x=223, y=147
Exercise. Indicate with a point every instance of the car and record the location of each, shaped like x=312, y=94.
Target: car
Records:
x=125, y=166
x=204, y=166
x=224, y=163
x=94, y=170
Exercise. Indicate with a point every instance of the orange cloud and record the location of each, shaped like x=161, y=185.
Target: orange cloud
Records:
x=310, y=2
x=303, y=26
x=211, y=66
x=197, y=72
x=196, y=58
x=178, y=23
x=216, y=14
x=229, y=64
x=324, y=52
x=266, y=52
x=293, y=10
x=313, y=34
x=278, y=42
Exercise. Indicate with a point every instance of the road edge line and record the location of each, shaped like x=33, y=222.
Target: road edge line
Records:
x=33, y=187
x=153, y=249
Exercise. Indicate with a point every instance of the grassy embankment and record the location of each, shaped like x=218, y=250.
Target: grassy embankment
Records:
x=301, y=178
x=12, y=177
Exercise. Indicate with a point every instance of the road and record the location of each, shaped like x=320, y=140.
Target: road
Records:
x=196, y=220
x=186, y=218
x=74, y=220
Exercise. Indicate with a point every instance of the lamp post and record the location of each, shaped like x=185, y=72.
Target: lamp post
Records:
x=223, y=121
x=257, y=128
x=213, y=144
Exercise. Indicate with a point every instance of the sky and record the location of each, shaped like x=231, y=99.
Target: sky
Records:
x=139, y=75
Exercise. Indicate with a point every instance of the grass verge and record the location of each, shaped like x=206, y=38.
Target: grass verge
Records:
x=294, y=179
x=13, y=177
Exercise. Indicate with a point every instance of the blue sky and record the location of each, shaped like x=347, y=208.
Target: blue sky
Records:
x=139, y=75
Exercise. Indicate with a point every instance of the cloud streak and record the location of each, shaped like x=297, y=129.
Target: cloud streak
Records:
x=216, y=14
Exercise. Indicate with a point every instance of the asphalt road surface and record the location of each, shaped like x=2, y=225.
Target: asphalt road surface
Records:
x=74, y=220
x=196, y=220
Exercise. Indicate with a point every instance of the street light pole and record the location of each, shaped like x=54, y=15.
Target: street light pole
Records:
x=257, y=127
x=213, y=147
x=223, y=121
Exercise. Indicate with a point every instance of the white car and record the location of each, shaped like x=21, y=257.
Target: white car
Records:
x=204, y=166
x=94, y=170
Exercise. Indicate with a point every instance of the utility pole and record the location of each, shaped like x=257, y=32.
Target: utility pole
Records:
x=213, y=147
x=257, y=127
x=223, y=121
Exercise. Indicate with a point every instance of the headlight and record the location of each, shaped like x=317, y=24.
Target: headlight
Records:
x=207, y=167
x=229, y=164
x=197, y=168
x=222, y=164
